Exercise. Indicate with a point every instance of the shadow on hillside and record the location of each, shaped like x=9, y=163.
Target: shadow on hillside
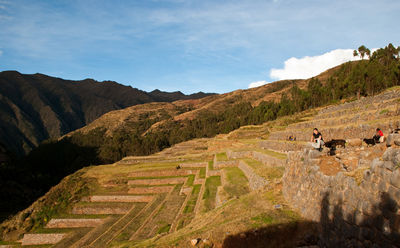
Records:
x=283, y=235
x=23, y=181
x=381, y=228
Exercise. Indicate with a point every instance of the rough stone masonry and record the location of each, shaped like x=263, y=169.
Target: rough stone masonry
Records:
x=349, y=214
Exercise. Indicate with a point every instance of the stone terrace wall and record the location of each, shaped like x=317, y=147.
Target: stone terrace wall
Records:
x=350, y=214
x=363, y=102
x=120, y=198
x=240, y=154
x=263, y=158
x=282, y=146
x=99, y=210
x=224, y=164
x=268, y=160
x=194, y=165
x=42, y=239
x=344, y=132
x=74, y=223
x=157, y=181
x=255, y=181
x=160, y=173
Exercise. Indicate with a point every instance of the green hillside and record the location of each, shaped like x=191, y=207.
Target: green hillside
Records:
x=216, y=169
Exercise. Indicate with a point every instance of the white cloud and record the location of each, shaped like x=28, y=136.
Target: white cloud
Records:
x=1, y=52
x=257, y=84
x=307, y=67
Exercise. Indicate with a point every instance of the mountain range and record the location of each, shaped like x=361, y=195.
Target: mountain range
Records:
x=37, y=107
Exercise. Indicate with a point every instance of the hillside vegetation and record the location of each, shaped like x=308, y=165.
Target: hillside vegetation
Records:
x=225, y=191
x=37, y=107
x=149, y=128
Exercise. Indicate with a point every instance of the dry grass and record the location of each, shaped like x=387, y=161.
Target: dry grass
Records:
x=237, y=183
x=222, y=156
x=273, y=153
x=265, y=171
x=254, y=210
x=357, y=174
x=210, y=192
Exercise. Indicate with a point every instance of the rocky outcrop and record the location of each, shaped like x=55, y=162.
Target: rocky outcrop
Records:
x=351, y=213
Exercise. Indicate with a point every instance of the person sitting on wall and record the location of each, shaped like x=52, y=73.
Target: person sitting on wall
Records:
x=379, y=138
x=317, y=140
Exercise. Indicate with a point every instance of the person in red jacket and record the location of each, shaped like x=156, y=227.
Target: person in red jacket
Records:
x=379, y=138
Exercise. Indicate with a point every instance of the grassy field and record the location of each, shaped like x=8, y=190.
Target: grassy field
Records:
x=273, y=154
x=161, y=222
x=190, y=181
x=237, y=183
x=222, y=156
x=202, y=173
x=155, y=177
x=72, y=239
x=193, y=199
x=267, y=172
x=252, y=211
x=119, y=226
x=210, y=192
x=211, y=165
x=135, y=223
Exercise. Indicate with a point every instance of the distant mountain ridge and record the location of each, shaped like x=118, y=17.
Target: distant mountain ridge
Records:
x=36, y=107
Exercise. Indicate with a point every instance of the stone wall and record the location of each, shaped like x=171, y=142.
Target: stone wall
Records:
x=42, y=238
x=348, y=117
x=239, y=154
x=255, y=181
x=221, y=196
x=282, y=146
x=74, y=223
x=99, y=210
x=214, y=173
x=150, y=190
x=120, y=198
x=364, y=103
x=194, y=165
x=224, y=164
x=268, y=160
x=341, y=132
x=262, y=157
x=157, y=181
x=351, y=214
x=161, y=173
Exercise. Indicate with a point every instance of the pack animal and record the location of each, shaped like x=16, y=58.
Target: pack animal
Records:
x=336, y=142
x=370, y=142
x=332, y=151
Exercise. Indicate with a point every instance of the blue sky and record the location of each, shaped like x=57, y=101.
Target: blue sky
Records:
x=207, y=45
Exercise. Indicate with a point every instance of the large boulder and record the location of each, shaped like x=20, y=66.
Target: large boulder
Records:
x=393, y=139
x=354, y=142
